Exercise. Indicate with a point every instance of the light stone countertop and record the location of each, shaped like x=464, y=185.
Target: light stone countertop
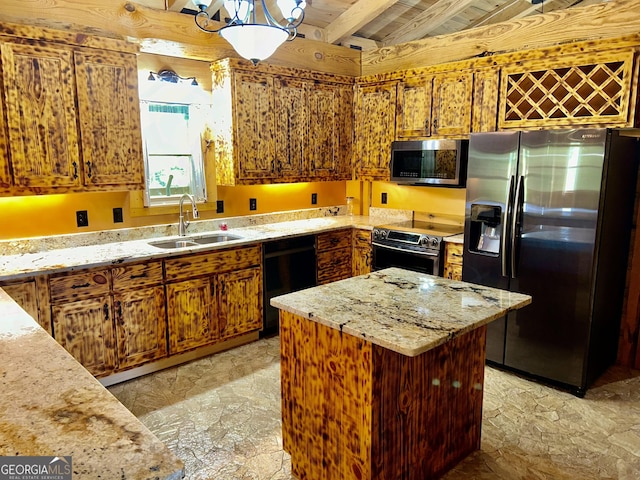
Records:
x=52, y=406
x=403, y=311
x=75, y=257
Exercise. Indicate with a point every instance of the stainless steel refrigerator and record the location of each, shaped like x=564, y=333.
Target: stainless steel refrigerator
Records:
x=548, y=213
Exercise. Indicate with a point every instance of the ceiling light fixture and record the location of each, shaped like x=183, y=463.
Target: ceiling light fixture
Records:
x=252, y=40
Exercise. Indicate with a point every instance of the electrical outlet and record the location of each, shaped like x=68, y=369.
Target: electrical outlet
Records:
x=383, y=198
x=314, y=199
x=117, y=215
x=82, y=218
x=253, y=204
x=219, y=206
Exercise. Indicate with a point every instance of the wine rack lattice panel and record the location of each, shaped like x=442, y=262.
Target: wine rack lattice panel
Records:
x=594, y=89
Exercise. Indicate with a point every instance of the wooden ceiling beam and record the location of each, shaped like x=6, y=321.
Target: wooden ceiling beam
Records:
x=355, y=17
x=612, y=19
x=431, y=18
x=517, y=9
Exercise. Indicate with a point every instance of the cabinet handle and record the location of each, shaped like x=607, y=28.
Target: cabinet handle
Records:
x=426, y=125
x=89, y=167
x=105, y=309
x=119, y=312
x=142, y=275
x=435, y=123
x=75, y=170
x=84, y=285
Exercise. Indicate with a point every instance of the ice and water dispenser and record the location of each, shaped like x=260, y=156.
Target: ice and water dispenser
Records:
x=485, y=228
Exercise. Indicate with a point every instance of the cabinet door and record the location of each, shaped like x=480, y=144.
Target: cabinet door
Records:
x=41, y=116
x=140, y=326
x=484, y=113
x=191, y=313
x=453, y=261
x=374, y=130
x=452, y=104
x=254, y=139
x=413, y=112
x=85, y=329
x=109, y=114
x=291, y=127
x=5, y=174
x=239, y=302
x=362, y=253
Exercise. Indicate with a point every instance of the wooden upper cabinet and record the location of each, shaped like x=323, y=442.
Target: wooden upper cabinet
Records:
x=279, y=125
x=109, y=114
x=254, y=123
x=413, y=111
x=451, y=110
x=484, y=109
x=291, y=126
x=41, y=115
x=330, y=132
x=375, y=122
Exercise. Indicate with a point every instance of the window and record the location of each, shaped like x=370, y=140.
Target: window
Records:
x=172, y=151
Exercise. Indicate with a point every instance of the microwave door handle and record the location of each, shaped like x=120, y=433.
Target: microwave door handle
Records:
x=517, y=213
x=505, y=228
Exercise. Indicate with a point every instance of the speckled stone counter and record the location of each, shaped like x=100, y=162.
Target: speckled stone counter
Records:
x=52, y=406
x=404, y=311
x=382, y=374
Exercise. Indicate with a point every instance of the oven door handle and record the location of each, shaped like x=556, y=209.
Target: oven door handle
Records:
x=404, y=250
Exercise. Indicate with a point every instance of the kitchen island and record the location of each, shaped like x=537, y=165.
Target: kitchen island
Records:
x=382, y=374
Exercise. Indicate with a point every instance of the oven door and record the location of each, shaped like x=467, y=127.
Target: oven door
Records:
x=385, y=256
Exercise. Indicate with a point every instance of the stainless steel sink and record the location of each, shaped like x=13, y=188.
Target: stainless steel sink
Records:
x=174, y=244
x=196, y=241
x=214, y=238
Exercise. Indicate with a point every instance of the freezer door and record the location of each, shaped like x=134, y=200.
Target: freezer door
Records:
x=492, y=166
x=561, y=172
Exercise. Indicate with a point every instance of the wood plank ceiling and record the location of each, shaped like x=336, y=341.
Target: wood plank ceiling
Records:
x=369, y=24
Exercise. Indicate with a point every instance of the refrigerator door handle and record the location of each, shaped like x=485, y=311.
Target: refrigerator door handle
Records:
x=505, y=228
x=517, y=211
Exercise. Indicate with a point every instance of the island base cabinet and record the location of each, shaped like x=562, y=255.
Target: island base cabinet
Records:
x=351, y=409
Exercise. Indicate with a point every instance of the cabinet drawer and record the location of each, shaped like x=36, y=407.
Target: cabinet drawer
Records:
x=138, y=275
x=361, y=238
x=211, y=263
x=453, y=253
x=334, y=265
x=74, y=286
x=336, y=239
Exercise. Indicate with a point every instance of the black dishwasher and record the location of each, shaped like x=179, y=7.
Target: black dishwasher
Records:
x=289, y=265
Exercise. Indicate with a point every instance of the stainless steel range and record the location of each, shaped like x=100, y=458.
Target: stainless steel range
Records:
x=412, y=245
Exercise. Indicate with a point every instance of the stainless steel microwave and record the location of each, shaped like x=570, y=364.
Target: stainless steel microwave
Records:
x=440, y=163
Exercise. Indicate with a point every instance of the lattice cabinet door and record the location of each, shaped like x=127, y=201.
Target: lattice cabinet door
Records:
x=589, y=89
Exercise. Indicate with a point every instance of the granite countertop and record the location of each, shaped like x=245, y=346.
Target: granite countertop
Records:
x=52, y=406
x=407, y=312
x=116, y=251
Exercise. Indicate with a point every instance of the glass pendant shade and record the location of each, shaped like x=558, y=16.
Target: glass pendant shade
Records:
x=254, y=42
x=290, y=8
x=239, y=9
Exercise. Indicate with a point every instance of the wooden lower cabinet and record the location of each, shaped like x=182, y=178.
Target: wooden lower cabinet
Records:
x=213, y=296
x=333, y=251
x=110, y=319
x=32, y=295
x=362, y=254
x=140, y=326
x=453, y=261
x=85, y=329
x=192, y=313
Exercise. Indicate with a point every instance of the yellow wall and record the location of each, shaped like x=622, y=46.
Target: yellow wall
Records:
x=446, y=202
x=31, y=216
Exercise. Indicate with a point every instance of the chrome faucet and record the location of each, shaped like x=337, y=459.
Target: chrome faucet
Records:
x=182, y=222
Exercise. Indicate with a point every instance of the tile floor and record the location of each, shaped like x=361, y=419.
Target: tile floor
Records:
x=221, y=416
